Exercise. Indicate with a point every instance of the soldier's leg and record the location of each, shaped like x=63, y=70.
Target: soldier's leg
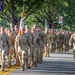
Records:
x=32, y=56
x=14, y=54
x=49, y=52
x=17, y=58
x=29, y=59
x=23, y=60
x=3, y=59
x=41, y=57
x=45, y=53
x=9, y=59
x=74, y=54
x=59, y=48
x=10, y=56
x=67, y=47
x=35, y=57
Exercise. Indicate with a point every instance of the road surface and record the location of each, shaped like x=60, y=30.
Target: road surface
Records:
x=56, y=64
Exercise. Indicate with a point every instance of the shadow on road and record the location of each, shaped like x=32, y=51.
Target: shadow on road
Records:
x=56, y=67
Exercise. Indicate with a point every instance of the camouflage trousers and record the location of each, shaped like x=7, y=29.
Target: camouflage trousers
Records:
x=21, y=57
x=11, y=53
x=40, y=55
x=32, y=55
x=47, y=50
x=36, y=52
x=29, y=57
x=74, y=54
x=59, y=46
x=53, y=47
x=4, y=53
x=67, y=47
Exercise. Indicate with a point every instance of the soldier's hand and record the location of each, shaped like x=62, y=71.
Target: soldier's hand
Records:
x=69, y=44
x=8, y=51
x=16, y=50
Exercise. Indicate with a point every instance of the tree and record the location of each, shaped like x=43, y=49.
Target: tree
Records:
x=13, y=9
x=52, y=9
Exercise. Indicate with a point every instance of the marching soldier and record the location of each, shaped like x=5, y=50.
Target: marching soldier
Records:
x=39, y=44
x=21, y=46
x=72, y=42
x=12, y=45
x=4, y=47
x=47, y=48
x=30, y=41
x=15, y=33
x=35, y=42
x=42, y=43
x=53, y=41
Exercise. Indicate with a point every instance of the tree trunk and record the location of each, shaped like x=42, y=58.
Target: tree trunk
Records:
x=12, y=23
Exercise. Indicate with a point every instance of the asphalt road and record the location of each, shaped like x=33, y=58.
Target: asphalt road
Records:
x=56, y=64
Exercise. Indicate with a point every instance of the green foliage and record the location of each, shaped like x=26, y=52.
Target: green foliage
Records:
x=13, y=9
x=37, y=11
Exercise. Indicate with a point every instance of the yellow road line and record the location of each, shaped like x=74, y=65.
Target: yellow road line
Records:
x=1, y=72
x=4, y=71
x=11, y=70
x=8, y=70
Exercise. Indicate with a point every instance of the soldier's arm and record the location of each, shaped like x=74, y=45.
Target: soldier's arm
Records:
x=28, y=42
x=71, y=40
x=16, y=43
x=8, y=42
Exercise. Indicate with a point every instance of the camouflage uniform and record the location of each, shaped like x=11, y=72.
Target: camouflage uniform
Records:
x=42, y=43
x=30, y=50
x=53, y=42
x=47, y=51
x=64, y=41
x=14, y=34
x=21, y=45
x=61, y=41
x=72, y=42
x=4, y=47
x=12, y=47
x=36, y=47
x=68, y=37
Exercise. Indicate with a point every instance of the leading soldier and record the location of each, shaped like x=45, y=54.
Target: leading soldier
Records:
x=72, y=42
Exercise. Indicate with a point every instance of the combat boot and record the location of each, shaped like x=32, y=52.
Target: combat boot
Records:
x=29, y=66
x=22, y=68
x=35, y=64
x=9, y=65
x=2, y=68
x=17, y=63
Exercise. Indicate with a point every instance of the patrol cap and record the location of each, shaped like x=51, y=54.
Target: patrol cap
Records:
x=26, y=27
x=34, y=26
x=33, y=29
x=2, y=28
x=16, y=26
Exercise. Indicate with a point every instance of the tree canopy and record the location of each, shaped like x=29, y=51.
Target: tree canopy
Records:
x=37, y=11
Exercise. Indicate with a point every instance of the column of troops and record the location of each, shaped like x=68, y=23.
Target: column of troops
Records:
x=27, y=48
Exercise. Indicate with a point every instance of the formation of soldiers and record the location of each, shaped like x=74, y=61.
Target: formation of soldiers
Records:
x=24, y=47
x=27, y=47
x=57, y=41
